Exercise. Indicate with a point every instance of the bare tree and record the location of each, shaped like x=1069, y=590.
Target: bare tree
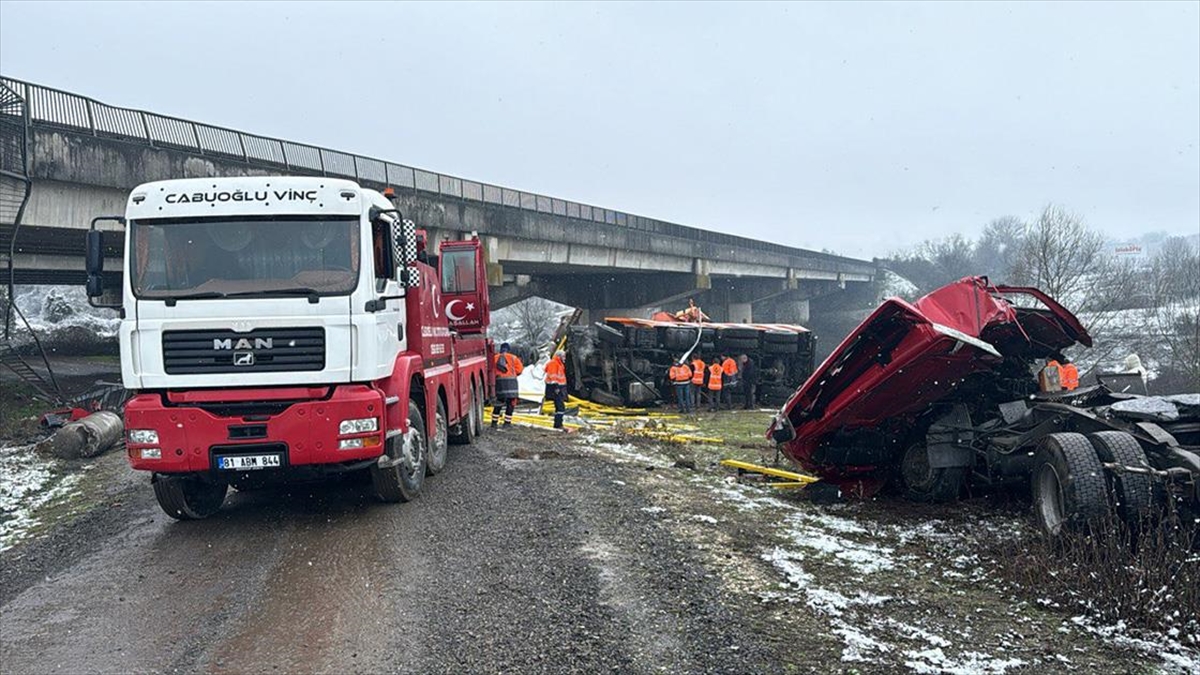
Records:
x=1065, y=258
x=1174, y=318
x=535, y=320
x=998, y=247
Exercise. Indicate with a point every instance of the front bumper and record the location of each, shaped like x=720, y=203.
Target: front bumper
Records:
x=192, y=435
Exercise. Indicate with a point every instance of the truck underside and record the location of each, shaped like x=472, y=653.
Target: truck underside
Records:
x=625, y=361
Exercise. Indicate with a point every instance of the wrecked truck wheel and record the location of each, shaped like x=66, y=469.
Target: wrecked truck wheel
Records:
x=1133, y=493
x=188, y=497
x=1068, y=486
x=404, y=474
x=924, y=483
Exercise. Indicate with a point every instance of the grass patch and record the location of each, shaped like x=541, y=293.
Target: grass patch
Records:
x=19, y=411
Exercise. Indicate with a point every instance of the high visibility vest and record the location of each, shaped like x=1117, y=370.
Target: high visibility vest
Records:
x=681, y=374
x=556, y=372
x=507, y=366
x=697, y=372
x=729, y=367
x=714, y=377
x=1068, y=375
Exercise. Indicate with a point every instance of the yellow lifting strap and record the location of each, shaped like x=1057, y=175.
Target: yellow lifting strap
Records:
x=791, y=478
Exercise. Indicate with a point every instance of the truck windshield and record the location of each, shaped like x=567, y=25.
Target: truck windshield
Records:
x=245, y=257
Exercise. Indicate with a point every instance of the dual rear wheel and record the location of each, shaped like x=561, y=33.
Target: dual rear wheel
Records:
x=1073, y=491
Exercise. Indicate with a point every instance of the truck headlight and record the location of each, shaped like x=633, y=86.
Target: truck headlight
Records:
x=143, y=436
x=359, y=426
x=151, y=453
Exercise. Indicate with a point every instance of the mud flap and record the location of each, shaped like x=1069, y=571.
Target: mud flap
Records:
x=949, y=439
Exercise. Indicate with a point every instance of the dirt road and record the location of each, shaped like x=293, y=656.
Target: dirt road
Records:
x=530, y=553
x=502, y=565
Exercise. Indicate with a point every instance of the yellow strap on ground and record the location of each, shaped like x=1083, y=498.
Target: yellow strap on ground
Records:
x=799, y=479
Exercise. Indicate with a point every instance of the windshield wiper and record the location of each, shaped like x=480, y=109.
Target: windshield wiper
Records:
x=313, y=294
x=172, y=299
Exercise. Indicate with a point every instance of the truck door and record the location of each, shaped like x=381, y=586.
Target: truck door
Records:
x=464, y=286
x=389, y=314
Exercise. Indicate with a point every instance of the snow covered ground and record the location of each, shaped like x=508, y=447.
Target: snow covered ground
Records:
x=28, y=482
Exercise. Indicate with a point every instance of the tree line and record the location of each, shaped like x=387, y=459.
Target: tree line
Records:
x=1149, y=307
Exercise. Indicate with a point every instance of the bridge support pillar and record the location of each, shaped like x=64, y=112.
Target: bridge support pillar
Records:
x=740, y=312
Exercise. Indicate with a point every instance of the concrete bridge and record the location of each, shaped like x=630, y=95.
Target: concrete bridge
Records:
x=65, y=159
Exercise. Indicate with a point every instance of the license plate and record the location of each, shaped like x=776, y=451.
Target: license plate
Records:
x=249, y=462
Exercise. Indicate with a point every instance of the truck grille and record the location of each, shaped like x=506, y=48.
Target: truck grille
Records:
x=187, y=352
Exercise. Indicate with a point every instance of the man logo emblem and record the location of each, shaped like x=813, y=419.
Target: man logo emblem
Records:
x=243, y=359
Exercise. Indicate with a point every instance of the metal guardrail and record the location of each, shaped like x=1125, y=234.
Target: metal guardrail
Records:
x=54, y=108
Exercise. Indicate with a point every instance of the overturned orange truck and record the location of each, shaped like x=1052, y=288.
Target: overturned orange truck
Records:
x=950, y=391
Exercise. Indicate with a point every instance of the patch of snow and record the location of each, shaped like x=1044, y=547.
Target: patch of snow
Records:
x=1174, y=657
x=704, y=519
x=857, y=642
x=625, y=452
x=653, y=509
x=27, y=482
x=970, y=663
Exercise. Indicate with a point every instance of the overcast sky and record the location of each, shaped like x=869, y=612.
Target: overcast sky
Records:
x=855, y=127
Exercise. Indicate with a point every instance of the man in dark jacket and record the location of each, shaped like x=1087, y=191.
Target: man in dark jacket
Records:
x=749, y=381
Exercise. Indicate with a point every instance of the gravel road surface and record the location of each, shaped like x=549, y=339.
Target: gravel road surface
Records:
x=502, y=565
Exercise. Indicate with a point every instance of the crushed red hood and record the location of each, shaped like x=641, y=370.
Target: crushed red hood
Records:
x=905, y=357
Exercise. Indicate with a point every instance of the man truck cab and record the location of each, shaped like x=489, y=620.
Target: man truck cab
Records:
x=282, y=325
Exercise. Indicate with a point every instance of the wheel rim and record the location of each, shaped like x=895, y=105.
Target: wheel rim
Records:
x=1050, y=498
x=412, y=452
x=915, y=468
x=441, y=432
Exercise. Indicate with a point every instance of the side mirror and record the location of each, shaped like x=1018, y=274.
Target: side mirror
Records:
x=94, y=262
x=94, y=255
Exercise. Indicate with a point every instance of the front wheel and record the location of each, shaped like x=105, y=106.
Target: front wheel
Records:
x=404, y=474
x=187, y=497
x=924, y=483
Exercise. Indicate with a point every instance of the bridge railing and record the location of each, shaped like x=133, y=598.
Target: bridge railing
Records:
x=50, y=107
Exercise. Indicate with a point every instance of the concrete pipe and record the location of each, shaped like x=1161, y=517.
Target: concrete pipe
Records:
x=87, y=437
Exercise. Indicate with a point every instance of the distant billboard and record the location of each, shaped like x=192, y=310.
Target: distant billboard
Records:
x=1129, y=251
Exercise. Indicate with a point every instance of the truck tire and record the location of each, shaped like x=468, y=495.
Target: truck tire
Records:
x=465, y=430
x=479, y=400
x=780, y=347
x=737, y=343
x=679, y=339
x=402, y=482
x=1133, y=493
x=738, y=333
x=780, y=336
x=1068, y=486
x=609, y=335
x=439, y=443
x=188, y=497
x=924, y=483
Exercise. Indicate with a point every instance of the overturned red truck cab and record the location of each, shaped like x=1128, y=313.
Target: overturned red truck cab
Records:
x=943, y=393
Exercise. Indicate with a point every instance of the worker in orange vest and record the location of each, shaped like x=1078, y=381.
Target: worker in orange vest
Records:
x=698, y=370
x=556, y=386
x=681, y=381
x=1068, y=375
x=507, y=367
x=714, y=385
x=729, y=380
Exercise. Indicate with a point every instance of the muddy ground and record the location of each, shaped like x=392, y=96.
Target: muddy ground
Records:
x=539, y=552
